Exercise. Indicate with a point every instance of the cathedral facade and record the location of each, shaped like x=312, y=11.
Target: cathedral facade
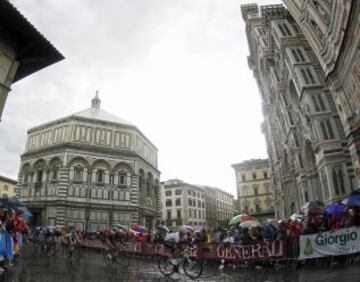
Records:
x=306, y=62
x=90, y=170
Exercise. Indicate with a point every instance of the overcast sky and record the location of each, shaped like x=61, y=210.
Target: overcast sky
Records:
x=175, y=68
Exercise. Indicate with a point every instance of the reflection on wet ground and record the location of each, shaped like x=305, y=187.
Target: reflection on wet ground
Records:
x=34, y=268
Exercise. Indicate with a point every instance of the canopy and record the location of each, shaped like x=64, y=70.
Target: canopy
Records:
x=240, y=218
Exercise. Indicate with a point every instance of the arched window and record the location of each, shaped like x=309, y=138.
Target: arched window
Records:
x=78, y=173
x=83, y=192
x=93, y=193
x=99, y=193
x=115, y=195
x=71, y=191
x=106, y=194
x=77, y=191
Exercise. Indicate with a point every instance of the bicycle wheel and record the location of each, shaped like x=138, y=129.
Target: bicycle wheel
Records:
x=192, y=268
x=109, y=257
x=77, y=254
x=51, y=251
x=165, y=266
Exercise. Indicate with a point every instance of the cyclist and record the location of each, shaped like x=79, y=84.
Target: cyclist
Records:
x=72, y=237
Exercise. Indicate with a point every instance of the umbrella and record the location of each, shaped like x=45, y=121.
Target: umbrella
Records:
x=352, y=201
x=335, y=208
x=27, y=214
x=162, y=228
x=139, y=228
x=313, y=208
x=296, y=217
x=186, y=228
x=249, y=223
x=11, y=203
x=240, y=218
x=273, y=222
x=118, y=226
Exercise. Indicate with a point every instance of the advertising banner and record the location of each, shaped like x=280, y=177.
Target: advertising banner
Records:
x=341, y=242
x=260, y=251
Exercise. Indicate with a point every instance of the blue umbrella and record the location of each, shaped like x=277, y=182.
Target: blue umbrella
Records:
x=335, y=208
x=27, y=214
x=352, y=201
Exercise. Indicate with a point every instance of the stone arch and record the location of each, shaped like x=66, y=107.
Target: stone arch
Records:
x=100, y=164
x=26, y=173
x=122, y=166
x=121, y=174
x=100, y=171
x=75, y=161
x=149, y=184
x=54, y=166
x=40, y=167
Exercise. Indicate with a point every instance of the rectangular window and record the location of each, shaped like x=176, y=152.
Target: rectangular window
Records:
x=304, y=75
x=6, y=188
x=122, y=179
x=190, y=202
x=178, y=214
x=199, y=204
x=178, y=202
x=178, y=192
x=168, y=214
x=265, y=175
x=168, y=193
x=254, y=176
x=310, y=75
x=100, y=176
x=295, y=55
x=189, y=192
x=168, y=203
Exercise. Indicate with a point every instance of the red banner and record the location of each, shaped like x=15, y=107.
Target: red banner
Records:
x=261, y=251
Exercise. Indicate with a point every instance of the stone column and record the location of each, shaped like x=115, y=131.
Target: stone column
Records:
x=62, y=187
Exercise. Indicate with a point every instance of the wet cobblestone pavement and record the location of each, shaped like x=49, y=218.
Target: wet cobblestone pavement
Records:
x=34, y=268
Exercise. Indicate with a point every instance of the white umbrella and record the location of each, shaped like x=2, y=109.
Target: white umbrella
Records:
x=295, y=217
x=249, y=223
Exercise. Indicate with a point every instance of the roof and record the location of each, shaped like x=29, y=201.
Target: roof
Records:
x=34, y=51
x=7, y=179
x=251, y=162
x=99, y=114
